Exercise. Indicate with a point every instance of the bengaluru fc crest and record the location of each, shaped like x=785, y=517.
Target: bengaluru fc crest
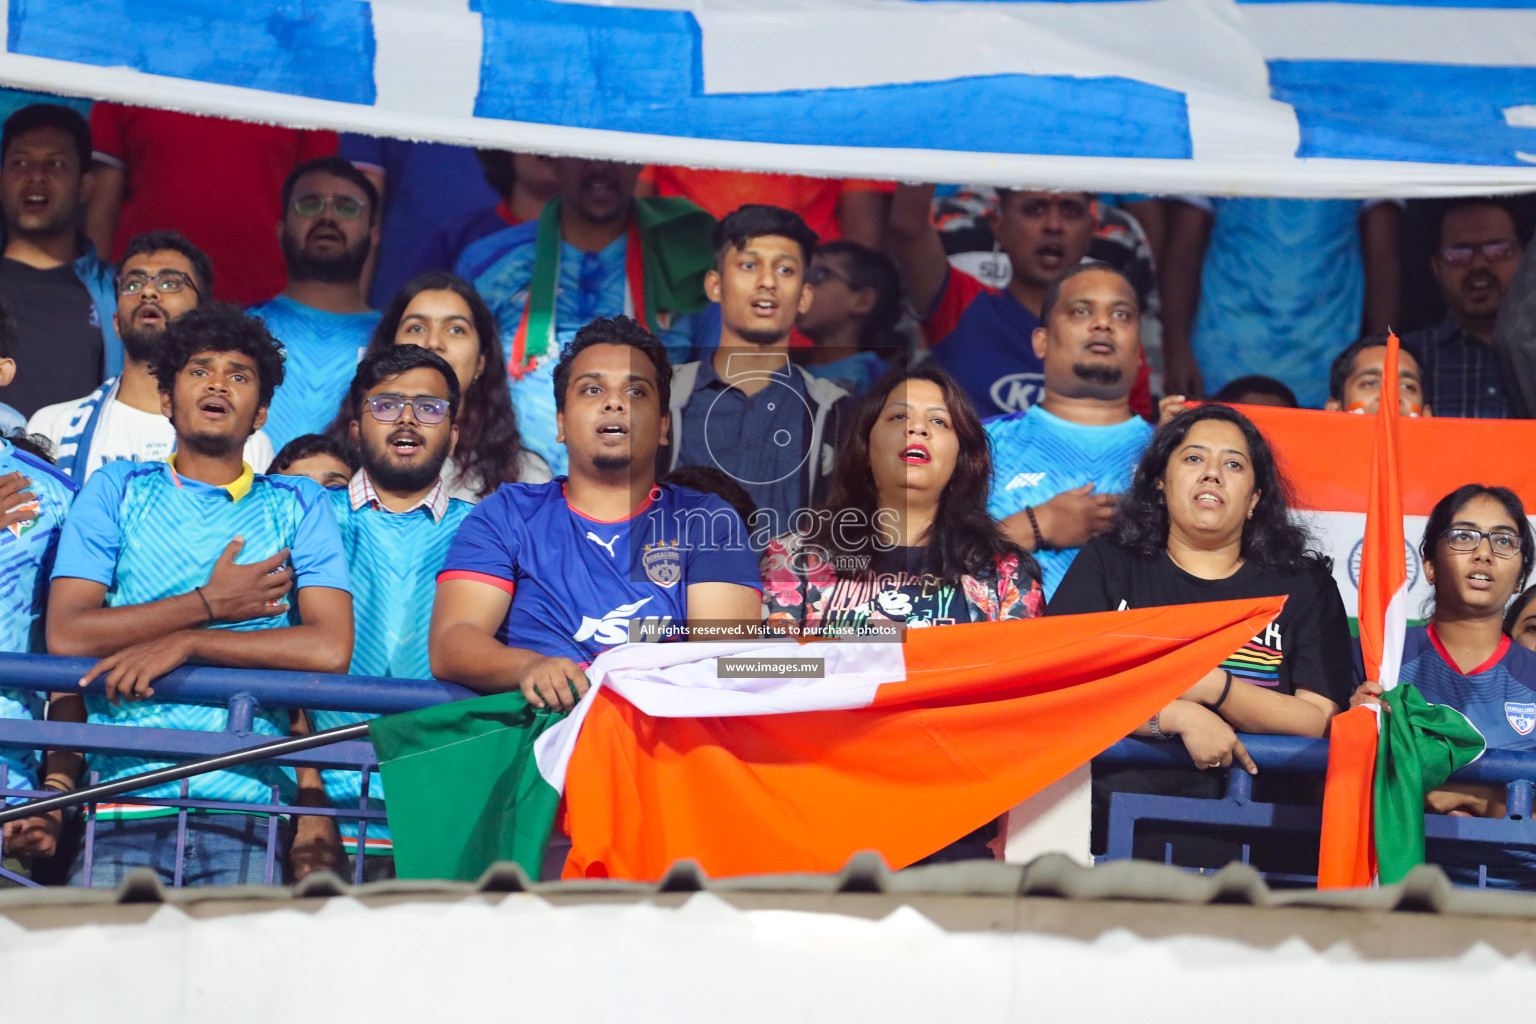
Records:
x=663, y=563
x=1522, y=717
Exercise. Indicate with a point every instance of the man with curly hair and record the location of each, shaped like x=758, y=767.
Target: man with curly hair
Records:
x=195, y=559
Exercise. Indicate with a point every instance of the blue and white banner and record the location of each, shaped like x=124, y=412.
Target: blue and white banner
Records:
x=1217, y=97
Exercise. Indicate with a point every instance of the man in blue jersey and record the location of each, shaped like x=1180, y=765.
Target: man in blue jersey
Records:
x=1058, y=466
x=322, y=319
x=196, y=559
x=542, y=578
x=396, y=524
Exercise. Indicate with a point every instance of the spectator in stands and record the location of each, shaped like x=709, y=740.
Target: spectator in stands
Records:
x=445, y=314
x=1481, y=241
x=1208, y=518
x=321, y=319
x=196, y=559
x=913, y=474
x=397, y=521
x=1273, y=286
x=853, y=209
x=325, y=460
x=216, y=181
x=420, y=186
x=747, y=409
x=1355, y=379
x=51, y=280
x=1060, y=464
x=1256, y=389
x=712, y=480
x=161, y=276
x=577, y=252
x=1478, y=552
x=34, y=501
x=11, y=421
x=1520, y=620
x=855, y=306
x=524, y=182
x=979, y=334
x=544, y=577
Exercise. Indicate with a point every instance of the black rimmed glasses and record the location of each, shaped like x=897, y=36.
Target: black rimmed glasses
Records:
x=1461, y=538
x=167, y=282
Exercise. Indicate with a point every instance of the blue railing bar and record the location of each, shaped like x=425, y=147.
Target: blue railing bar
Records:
x=206, y=684
x=172, y=744
x=291, y=810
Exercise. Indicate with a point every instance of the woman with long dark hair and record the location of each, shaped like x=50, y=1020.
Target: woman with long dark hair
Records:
x=1208, y=519
x=904, y=537
x=444, y=313
x=1477, y=552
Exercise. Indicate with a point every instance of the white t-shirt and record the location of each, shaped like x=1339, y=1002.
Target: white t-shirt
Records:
x=531, y=469
x=132, y=434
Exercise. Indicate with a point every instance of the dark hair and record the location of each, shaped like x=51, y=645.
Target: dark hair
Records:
x=377, y=367
x=1517, y=218
x=1053, y=290
x=757, y=220
x=1272, y=538
x=307, y=445
x=173, y=241
x=496, y=165
x=1256, y=384
x=10, y=334
x=219, y=327
x=490, y=445
x=49, y=115
x=334, y=165
x=619, y=330
x=869, y=268
x=964, y=539
x=1444, y=513
x=716, y=481
x=40, y=445
x=1512, y=615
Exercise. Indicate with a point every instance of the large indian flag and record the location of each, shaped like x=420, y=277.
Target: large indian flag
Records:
x=779, y=757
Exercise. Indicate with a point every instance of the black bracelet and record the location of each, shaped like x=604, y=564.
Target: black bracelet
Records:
x=1224, y=691
x=1034, y=524
x=206, y=606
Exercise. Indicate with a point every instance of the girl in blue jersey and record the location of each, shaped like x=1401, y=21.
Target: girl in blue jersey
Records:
x=1477, y=552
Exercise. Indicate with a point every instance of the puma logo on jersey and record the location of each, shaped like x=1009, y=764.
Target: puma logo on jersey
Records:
x=1025, y=480
x=612, y=628
x=608, y=544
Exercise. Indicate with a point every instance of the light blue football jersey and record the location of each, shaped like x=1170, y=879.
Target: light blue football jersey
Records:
x=321, y=351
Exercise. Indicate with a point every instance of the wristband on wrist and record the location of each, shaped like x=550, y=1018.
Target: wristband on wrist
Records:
x=1034, y=524
x=206, y=606
x=1224, y=691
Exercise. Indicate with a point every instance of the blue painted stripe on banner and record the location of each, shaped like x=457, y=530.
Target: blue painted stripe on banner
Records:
x=1491, y=4
x=323, y=49
x=1367, y=110
x=640, y=71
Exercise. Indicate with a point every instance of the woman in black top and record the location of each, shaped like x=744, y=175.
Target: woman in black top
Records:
x=1208, y=519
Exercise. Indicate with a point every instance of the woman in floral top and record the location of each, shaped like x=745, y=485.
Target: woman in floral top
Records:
x=905, y=538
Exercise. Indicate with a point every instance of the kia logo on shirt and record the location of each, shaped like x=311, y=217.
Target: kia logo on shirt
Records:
x=1018, y=391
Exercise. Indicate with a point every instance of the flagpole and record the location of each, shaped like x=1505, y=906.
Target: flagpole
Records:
x=175, y=773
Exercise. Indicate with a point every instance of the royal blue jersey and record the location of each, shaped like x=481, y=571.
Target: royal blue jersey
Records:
x=393, y=559
x=576, y=583
x=26, y=553
x=1036, y=456
x=320, y=354
x=1499, y=699
x=145, y=532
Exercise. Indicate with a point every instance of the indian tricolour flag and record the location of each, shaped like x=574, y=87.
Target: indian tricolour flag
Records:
x=752, y=758
x=1382, y=762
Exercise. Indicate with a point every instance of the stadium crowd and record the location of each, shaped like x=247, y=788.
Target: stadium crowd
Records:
x=404, y=410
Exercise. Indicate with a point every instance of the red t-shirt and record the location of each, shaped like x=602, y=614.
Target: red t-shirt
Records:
x=218, y=182
x=721, y=192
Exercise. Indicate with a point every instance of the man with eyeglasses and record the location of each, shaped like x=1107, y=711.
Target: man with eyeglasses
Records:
x=1480, y=247
x=329, y=227
x=161, y=276
x=397, y=522
x=51, y=279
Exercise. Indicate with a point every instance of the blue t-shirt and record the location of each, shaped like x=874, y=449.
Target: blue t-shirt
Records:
x=425, y=184
x=146, y=533
x=26, y=554
x=1499, y=699
x=321, y=351
x=984, y=338
x=1036, y=456
x=590, y=285
x=1282, y=292
x=576, y=582
x=853, y=374
x=393, y=559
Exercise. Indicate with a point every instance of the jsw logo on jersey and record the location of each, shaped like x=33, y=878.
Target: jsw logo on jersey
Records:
x=613, y=628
